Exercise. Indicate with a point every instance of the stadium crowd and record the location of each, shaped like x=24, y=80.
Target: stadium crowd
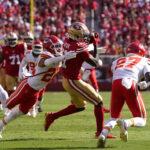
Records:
x=120, y=22
x=123, y=21
x=50, y=16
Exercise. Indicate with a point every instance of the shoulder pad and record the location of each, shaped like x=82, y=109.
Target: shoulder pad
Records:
x=46, y=54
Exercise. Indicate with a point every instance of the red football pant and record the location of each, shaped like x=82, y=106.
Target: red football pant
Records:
x=24, y=95
x=131, y=96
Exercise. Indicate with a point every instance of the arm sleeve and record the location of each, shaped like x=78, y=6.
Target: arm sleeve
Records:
x=53, y=61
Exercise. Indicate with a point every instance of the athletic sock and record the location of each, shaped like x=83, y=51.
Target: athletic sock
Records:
x=99, y=115
x=66, y=111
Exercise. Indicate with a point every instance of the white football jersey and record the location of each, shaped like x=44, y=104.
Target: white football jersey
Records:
x=133, y=67
x=30, y=61
x=43, y=75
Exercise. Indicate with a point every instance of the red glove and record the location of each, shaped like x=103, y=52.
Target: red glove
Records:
x=95, y=37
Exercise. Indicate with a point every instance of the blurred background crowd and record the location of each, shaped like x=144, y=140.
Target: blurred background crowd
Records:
x=118, y=21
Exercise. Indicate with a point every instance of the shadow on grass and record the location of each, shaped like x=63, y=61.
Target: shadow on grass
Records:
x=33, y=139
x=49, y=148
x=57, y=148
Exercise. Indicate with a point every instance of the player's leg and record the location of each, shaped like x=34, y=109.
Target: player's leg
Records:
x=40, y=99
x=93, y=80
x=72, y=108
x=11, y=102
x=3, y=98
x=116, y=98
x=86, y=92
x=2, y=82
x=22, y=97
x=94, y=83
x=10, y=84
x=136, y=105
x=2, y=78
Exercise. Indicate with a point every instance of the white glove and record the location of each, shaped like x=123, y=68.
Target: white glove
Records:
x=21, y=76
x=70, y=55
x=142, y=85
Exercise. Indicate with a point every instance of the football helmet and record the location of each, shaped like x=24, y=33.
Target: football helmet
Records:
x=53, y=44
x=28, y=38
x=11, y=39
x=136, y=48
x=37, y=47
x=79, y=32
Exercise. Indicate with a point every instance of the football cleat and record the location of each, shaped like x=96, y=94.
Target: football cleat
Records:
x=7, y=111
x=49, y=119
x=106, y=110
x=1, y=107
x=108, y=136
x=101, y=141
x=33, y=112
x=2, y=128
x=40, y=109
x=123, y=130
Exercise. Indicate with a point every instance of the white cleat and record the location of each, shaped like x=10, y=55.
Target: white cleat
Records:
x=7, y=111
x=1, y=132
x=1, y=107
x=33, y=112
x=123, y=130
x=101, y=141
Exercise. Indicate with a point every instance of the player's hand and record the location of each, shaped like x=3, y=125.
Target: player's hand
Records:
x=70, y=55
x=142, y=85
x=21, y=76
x=95, y=38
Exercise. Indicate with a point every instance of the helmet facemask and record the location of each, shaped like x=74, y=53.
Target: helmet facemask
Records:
x=11, y=39
x=28, y=38
x=37, y=48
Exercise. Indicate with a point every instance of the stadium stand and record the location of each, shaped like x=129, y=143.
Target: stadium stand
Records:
x=118, y=22
x=123, y=21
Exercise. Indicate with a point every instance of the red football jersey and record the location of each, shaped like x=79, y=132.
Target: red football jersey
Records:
x=73, y=66
x=13, y=57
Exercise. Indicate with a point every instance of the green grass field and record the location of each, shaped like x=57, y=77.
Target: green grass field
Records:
x=74, y=132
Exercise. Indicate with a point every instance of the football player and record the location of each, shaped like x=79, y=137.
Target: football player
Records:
x=28, y=39
x=89, y=76
x=127, y=72
x=12, y=53
x=3, y=98
x=26, y=93
x=29, y=60
x=79, y=91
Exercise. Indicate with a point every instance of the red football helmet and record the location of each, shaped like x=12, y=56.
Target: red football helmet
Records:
x=37, y=47
x=53, y=44
x=136, y=48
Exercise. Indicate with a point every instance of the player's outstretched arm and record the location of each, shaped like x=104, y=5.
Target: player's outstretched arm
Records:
x=55, y=60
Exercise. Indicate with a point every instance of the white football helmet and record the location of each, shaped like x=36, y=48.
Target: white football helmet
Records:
x=37, y=47
x=28, y=38
x=11, y=39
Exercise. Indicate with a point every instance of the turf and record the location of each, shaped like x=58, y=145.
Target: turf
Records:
x=74, y=132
